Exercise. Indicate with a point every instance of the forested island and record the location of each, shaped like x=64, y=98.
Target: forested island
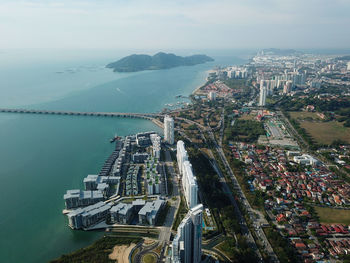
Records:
x=160, y=60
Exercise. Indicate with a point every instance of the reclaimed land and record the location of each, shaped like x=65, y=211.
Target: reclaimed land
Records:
x=98, y=251
x=332, y=216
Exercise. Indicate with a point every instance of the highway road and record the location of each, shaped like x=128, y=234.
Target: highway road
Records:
x=255, y=216
x=226, y=189
x=251, y=212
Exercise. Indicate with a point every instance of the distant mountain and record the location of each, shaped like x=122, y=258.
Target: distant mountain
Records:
x=160, y=60
x=281, y=52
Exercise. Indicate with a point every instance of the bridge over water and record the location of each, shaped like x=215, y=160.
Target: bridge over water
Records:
x=147, y=116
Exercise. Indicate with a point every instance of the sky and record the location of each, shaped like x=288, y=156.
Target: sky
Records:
x=174, y=24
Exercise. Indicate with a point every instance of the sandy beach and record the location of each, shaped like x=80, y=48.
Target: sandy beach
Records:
x=197, y=89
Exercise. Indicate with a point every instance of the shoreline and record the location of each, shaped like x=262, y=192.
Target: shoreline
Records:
x=200, y=86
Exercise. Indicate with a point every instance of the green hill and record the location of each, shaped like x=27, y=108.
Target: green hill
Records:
x=160, y=60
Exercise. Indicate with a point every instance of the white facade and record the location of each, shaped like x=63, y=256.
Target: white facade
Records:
x=262, y=97
x=288, y=87
x=156, y=145
x=189, y=182
x=189, y=185
x=348, y=66
x=212, y=95
x=169, y=130
x=187, y=244
x=181, y=155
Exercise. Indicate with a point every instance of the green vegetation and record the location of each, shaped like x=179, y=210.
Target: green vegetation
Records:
x=209, y=185
x=297, y=104
x=235, y=83
x=317, y=133
x=160, y=60
x=181, y=212
x=243, y=91
x=326, y=132
x=345, y=258
x=281, y=247
x=330, y=216
x=149, y=258
x=228, y=247
x=304, y=115
x=245, y=130
x=242, y=253
x=98, y=252
x=303, y=133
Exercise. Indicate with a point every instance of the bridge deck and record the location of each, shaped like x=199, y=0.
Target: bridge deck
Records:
x=148, y=116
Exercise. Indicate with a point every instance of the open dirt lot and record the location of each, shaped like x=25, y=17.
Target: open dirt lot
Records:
x=121, y=253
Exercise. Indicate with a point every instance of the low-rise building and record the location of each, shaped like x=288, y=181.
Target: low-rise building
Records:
x=121, y=213
x=75, y=198
x=139, y=157
x=87, y=216
x=149, y=212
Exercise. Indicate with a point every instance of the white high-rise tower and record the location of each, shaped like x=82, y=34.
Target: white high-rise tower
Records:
x=189, y=182
x=169, y=130
x=187, y=244
x=263, y=93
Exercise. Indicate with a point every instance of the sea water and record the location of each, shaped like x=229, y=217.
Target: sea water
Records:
x=42, y=156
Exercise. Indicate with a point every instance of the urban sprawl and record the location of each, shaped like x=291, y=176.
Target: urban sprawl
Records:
x=255, y=169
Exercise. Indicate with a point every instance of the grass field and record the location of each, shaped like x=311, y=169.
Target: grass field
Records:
x=329, y=215
x=326, y=132
x=149, y=258
x=303, y=115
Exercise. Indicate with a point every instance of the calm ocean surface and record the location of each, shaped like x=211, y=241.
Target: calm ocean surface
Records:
x=43, y=156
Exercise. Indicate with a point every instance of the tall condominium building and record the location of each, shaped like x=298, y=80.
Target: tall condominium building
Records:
x=287, y=87
x=212, y=95
x=263, y=93
x=169, y=130
x=348, y=66
x=187, y=244
x=189, y=185
x=189, y=182
x=181, y=155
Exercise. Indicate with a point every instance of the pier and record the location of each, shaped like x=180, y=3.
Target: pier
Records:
x=147, y=116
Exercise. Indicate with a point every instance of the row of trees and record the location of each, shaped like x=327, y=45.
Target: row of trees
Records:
x=221, y=208
x=245, y=130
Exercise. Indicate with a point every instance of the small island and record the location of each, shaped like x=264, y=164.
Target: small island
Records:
x=160, y=60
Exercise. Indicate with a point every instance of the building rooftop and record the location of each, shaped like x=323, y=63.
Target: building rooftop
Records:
x=121, y=208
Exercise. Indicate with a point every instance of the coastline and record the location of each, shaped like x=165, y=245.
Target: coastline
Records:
x=196, y=90
x=73, y=133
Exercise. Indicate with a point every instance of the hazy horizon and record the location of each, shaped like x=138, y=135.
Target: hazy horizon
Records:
x=168, y=25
